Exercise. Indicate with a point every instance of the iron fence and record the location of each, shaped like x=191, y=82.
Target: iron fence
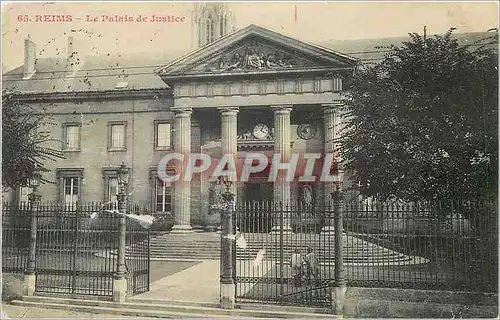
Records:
x=445, y=245
x=76, y=247
x=448, y=245
x=15, y=236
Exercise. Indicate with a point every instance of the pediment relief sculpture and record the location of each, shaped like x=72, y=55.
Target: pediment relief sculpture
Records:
x=254, y=57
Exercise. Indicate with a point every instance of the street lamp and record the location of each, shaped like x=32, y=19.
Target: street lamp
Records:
x=228, y=195
x=340, y=180
x=228, y=247
x=34, y=183
x=123, y=175
x=34, y=180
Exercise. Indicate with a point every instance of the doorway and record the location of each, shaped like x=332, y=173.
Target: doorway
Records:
x=258, y=214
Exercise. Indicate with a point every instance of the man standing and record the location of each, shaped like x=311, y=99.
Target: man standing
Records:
x=296, y=261
x=311, y=265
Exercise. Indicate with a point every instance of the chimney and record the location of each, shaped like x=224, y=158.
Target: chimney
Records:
x=29, y=58
x=72, y=61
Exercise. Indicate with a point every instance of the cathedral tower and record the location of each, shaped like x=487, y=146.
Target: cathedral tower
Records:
x=211, y=21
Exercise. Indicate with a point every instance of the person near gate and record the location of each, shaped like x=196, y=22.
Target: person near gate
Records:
x=296, y=263
x=311, y=265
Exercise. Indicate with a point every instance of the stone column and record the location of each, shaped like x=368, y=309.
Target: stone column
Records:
x=331, y=122
x=282, y=147
x=229, y=137
x=182, y=189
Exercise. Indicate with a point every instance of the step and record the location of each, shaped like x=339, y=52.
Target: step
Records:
x=158, y=307
x=123, y=311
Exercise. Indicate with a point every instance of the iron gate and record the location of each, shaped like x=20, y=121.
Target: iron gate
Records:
x=137, y=258
x=263, y=272
x=76, y=248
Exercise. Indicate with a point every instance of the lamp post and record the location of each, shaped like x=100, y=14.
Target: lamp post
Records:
x=338, y=292
x=34, y=200
x=119, y=281
x=227, y=285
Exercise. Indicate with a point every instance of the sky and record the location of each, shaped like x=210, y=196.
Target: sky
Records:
x=312, y=22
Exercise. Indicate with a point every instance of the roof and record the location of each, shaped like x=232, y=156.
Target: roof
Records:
x=97, y=73
x=137, y=71
x=371, y=51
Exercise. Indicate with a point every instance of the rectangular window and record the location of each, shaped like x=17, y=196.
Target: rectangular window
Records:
x=71, y=190
x=117, y=136
x=113, y=190
x=162, y=135
x=72, y=137
x=163, y=197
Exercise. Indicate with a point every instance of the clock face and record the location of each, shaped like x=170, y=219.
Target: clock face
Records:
x=260, y=131
x=306, y=131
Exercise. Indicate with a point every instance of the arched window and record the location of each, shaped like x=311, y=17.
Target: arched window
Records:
x=210, y=29
x=222, y=26
x=200, y=32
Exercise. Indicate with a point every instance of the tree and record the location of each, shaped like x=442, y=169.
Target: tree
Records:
x=24, y=141
x=423, y=124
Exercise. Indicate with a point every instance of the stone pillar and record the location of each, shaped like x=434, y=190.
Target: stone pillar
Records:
x=229, y=137
x=331, y=126
x=339, y=290
x=29, y=274
x=182, y=189
x=282, y=147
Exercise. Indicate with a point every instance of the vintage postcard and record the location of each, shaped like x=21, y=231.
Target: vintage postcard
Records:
x=248, y=159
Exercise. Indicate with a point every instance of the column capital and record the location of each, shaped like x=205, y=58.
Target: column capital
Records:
x=228, y=111
x=282, y=109
x=182, y=112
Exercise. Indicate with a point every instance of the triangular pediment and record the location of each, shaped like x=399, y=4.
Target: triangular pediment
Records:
x=256, y=50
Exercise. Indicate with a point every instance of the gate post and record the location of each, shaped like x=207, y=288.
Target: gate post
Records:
x=227, y=284
x=29, y=274
x=119, y=280
x=339, y=290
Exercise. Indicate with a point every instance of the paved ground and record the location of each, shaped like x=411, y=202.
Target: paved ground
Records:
x=18, y=312
x=198, y=283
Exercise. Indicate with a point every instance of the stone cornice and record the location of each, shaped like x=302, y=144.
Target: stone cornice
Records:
x=93, y=95
x=171, y=79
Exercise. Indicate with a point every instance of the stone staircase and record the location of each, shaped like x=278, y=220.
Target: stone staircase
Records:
x=189, y=246
x=206, y=246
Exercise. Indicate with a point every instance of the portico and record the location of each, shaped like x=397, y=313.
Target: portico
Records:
x=254, y=90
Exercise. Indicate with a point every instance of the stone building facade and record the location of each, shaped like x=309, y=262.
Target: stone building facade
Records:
x=251, y=90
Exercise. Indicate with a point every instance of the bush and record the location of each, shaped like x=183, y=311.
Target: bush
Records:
x=12, y=287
